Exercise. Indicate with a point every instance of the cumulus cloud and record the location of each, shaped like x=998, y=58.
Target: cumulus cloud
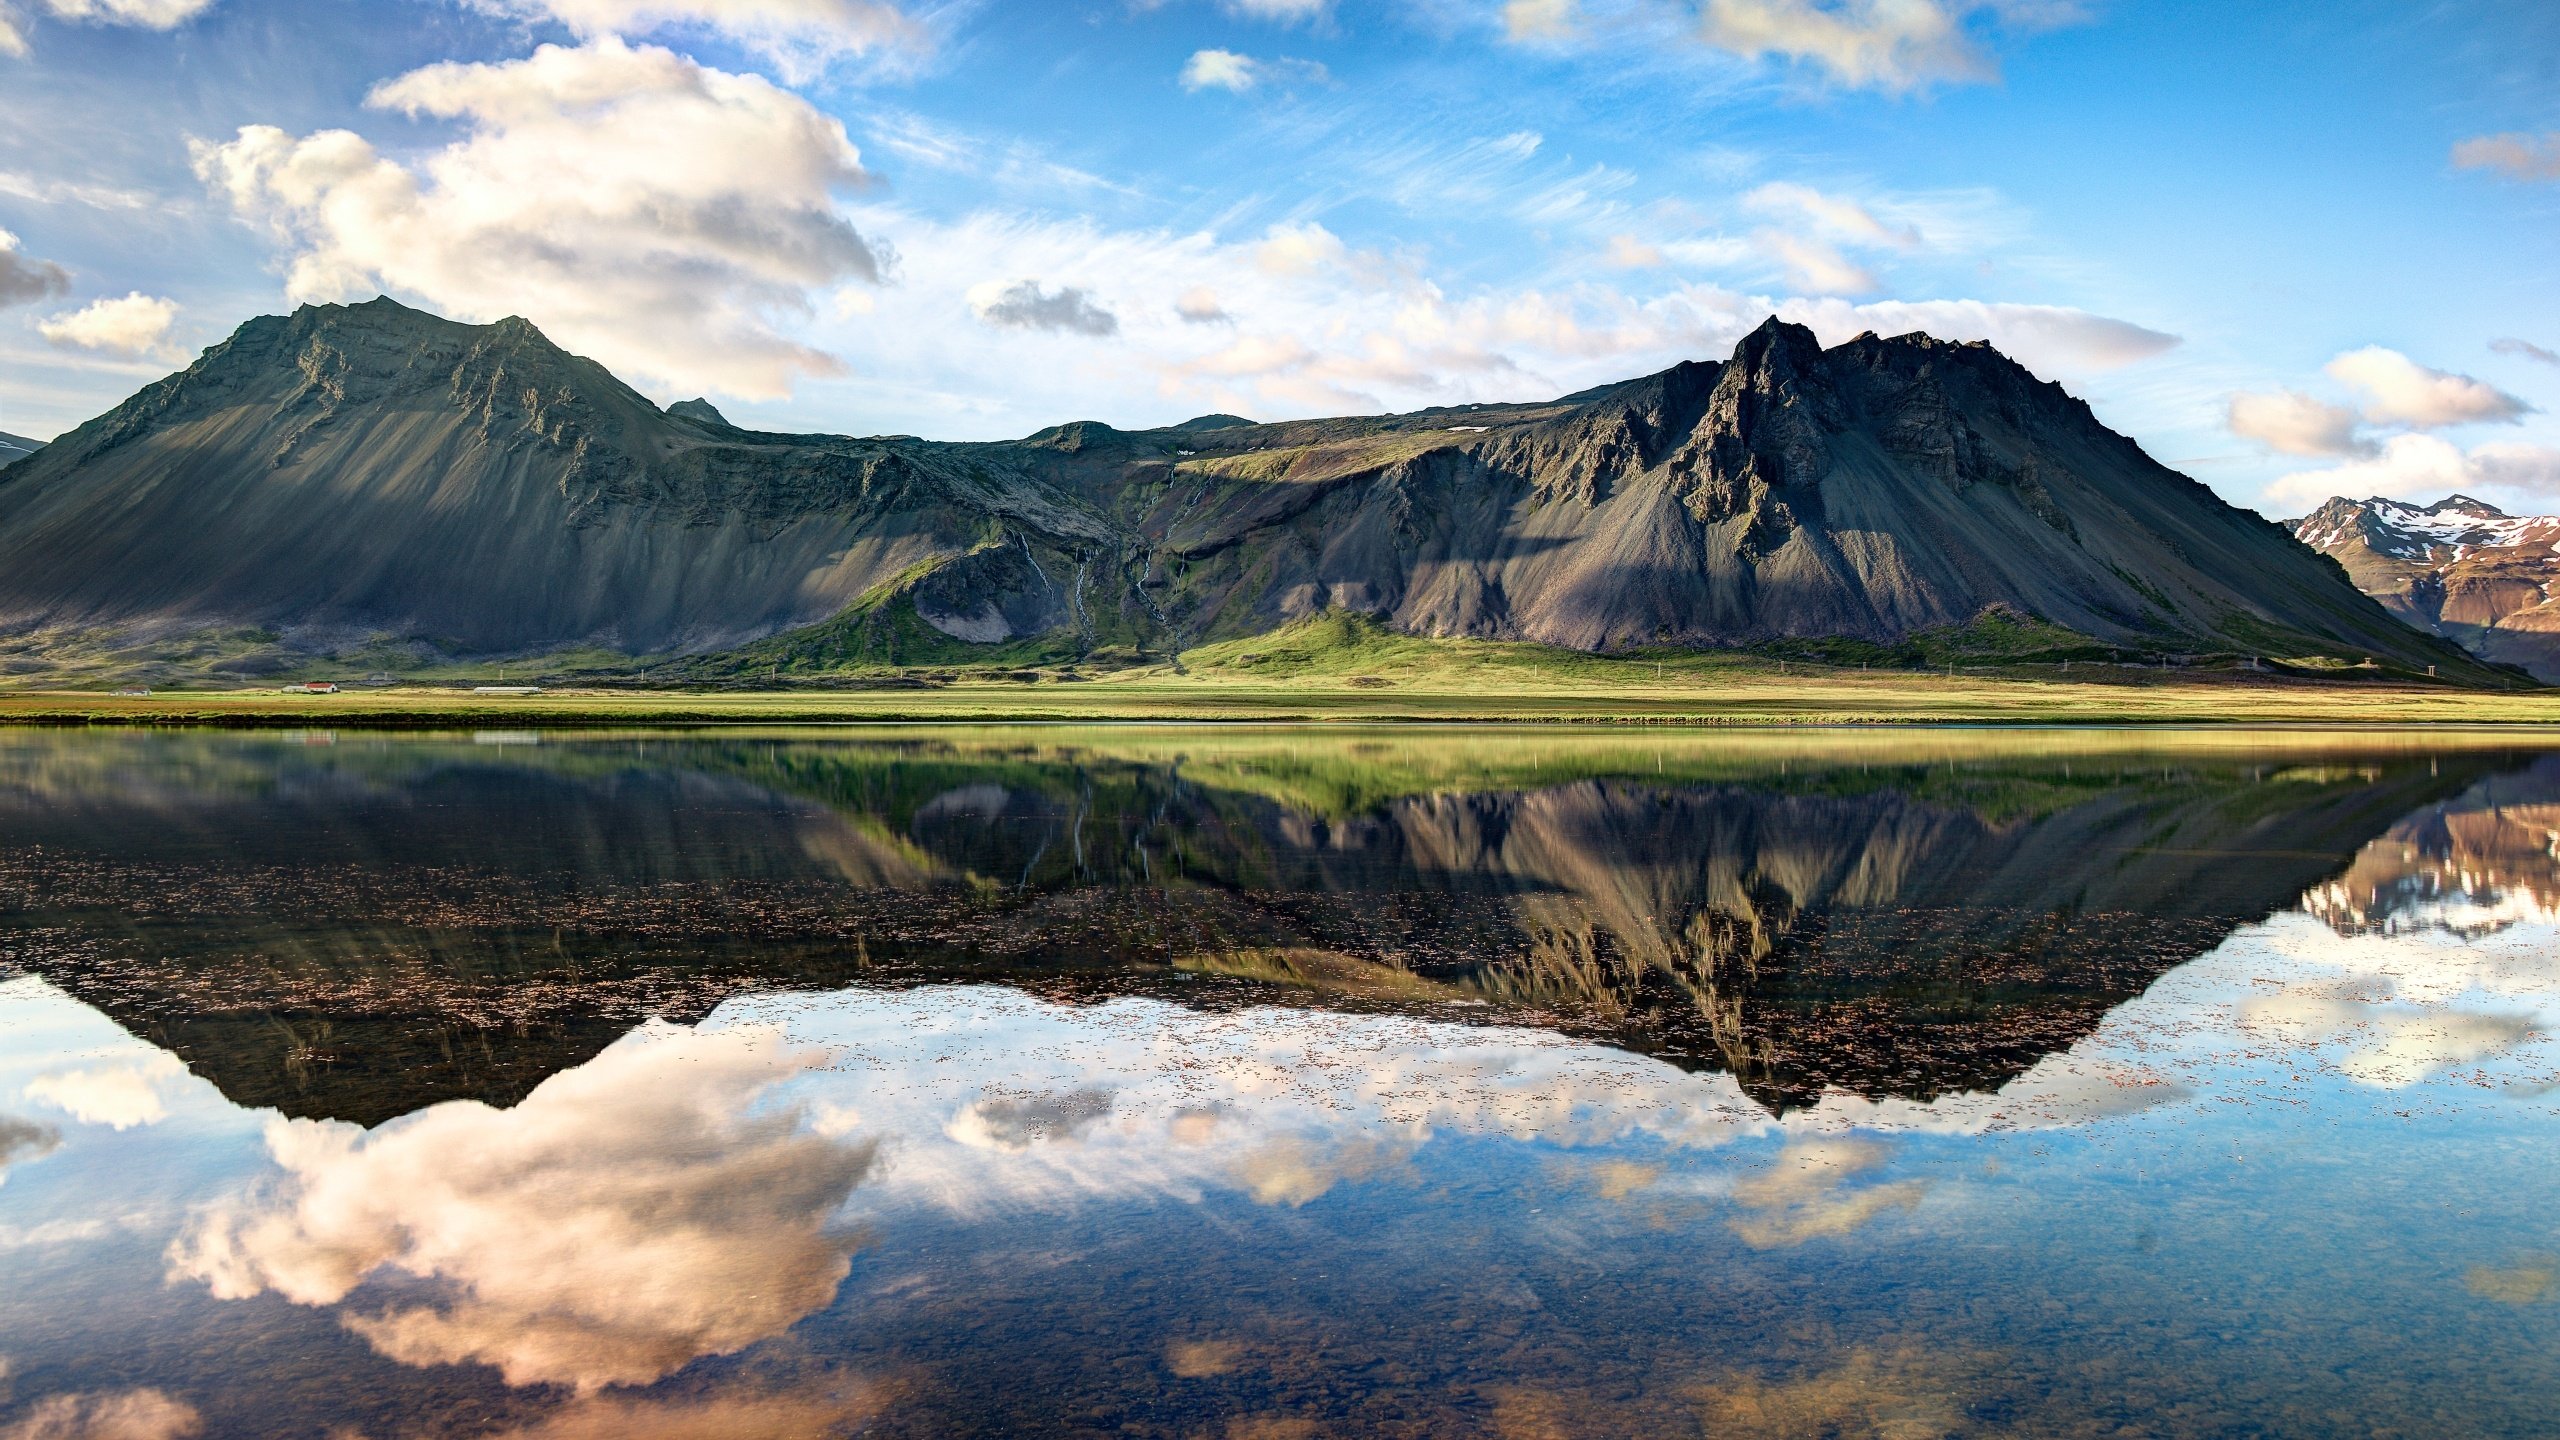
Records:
x=1893, y=45
x=1539, y=19
x=2417, y=467
x=644, y=209
x=23, y=280
x=2516, y=156
x=118, y=1096
x=1199, y=305
x=1023, y=305
x=624, y=1219
x=802, y=36
x=132, y=325
x=1219, y=70
x=147, y=14
x=2525, y=349
x=2297, y=424
x=106, y=1415
x=2399, y=391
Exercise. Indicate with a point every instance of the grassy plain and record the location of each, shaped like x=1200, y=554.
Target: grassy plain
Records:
x=1443, y=682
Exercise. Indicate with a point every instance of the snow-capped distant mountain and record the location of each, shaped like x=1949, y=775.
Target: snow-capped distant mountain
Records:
x=2461, y=568
x=14, y=448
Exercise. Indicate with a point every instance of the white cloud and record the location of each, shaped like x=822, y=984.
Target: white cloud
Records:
x=651, y=212
x=147, y=14
x=1815, y=265
x=1219, y=70
x=2400, y=391
x=625, y=1218
x=1879, y=44
x=106, y=1415
x=120, y=1097
x=2516, y=156
x=1539, y=19
x=133, y=325
x=2526, y=349
x=2297, y=424
x=1229, y=71
x=801, y=36
x=2048, y=339
x=1833, y=217
x=23, y=280
x=2421, y=468
x=1023, y=305
x=1199, y=306
x=1326, y=327
x=1285, y=11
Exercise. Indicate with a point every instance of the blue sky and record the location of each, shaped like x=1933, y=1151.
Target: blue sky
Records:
x=2293, y=249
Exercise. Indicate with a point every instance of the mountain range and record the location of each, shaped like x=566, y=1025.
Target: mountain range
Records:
x=372, y=482
x=14, y=448
x=2461, y=568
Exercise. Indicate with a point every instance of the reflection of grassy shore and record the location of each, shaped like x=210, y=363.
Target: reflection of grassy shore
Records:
x=1696, y=690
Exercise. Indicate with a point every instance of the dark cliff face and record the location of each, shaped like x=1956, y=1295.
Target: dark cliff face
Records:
x=372, y=471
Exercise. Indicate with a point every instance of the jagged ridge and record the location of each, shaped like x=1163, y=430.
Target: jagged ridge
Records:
x=370, y=470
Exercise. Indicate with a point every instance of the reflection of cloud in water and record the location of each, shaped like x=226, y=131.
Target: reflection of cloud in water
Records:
x=119, y=1096
x=630, y=1215
x=1018, y=1122
x=1293, y=1171
x=1157, y=1099
x=106, y=1415
x=2520, y=1284
x=1901, y=1394
x=789, y=1416
x=24, y=1140
x=2385, y=1044
x=1806, y=1193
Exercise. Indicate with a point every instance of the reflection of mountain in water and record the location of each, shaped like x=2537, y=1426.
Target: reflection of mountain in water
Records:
x=362, y=931
x=2474, y=864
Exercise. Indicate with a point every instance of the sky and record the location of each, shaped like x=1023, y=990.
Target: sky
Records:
x=2295, y=250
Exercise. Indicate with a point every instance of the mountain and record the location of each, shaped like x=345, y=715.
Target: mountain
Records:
x=14, y=448
x=2460, y=568
x=350, y=478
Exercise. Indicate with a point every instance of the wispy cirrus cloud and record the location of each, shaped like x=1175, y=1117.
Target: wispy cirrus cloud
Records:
x=801, y=37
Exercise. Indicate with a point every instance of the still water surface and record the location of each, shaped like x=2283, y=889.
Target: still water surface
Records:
x=1267, y=1084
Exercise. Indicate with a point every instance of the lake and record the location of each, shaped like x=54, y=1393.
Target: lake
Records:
x=1270, y=1083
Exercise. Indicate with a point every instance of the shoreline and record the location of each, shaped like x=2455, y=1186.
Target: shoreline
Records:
x=1861, y=700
